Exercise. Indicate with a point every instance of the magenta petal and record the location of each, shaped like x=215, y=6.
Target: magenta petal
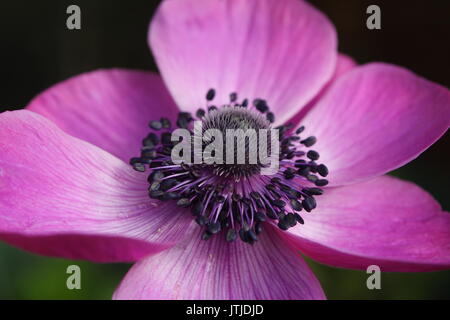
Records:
x=215, y=269
x=374, y=119
x=343, y=65
x=61, y=196
x=108, y=108
x=281, y=51
x=385, y=221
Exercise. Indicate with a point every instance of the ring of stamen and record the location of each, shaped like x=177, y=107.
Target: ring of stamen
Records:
x=234, y=199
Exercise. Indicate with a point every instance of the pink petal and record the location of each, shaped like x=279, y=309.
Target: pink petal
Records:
x=281, y=51
x=215, y=269
x=387, y=222
x=374, y=119
x=343, y=65
x=61, y=196
x=108, y=108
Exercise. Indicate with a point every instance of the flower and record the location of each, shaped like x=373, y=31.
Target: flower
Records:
x=67, y=190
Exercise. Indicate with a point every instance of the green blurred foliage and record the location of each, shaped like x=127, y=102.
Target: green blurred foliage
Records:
x=27, y=276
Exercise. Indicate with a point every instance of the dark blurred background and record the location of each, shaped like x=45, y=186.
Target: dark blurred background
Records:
x=37, y=50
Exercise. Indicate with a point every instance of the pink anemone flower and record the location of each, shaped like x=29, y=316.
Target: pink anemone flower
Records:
x=67, y=188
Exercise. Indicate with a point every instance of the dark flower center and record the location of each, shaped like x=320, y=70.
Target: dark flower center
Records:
x=239, y=128
x=234, y=198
